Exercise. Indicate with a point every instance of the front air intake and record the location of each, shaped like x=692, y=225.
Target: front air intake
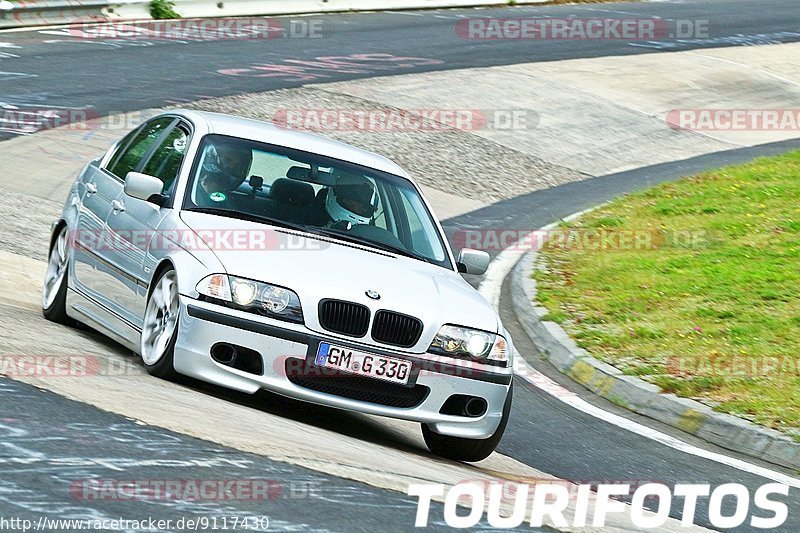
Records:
x=345, y=318
x=396, y=329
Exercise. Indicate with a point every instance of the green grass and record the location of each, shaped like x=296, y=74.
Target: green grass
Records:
x=711, y=310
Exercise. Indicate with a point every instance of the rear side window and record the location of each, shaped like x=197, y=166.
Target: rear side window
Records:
x=129, y=158
x=167, y=158
x=120, y=149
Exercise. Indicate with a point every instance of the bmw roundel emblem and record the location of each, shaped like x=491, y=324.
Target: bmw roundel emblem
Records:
x=373, y=295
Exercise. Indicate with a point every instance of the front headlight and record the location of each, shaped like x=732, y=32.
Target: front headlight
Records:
x=252, y=296
x=457, y=341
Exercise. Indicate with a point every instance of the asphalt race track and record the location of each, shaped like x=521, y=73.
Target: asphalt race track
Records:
x=117, y=75
x=44, y=436
x=156, y=454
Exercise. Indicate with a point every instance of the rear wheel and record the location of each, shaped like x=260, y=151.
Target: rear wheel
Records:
x=54, y=290
x=469, y=450
x=160, y=327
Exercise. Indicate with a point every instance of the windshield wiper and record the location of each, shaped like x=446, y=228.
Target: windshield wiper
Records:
x=380, y=245
x=249, y=217
x=314, y=230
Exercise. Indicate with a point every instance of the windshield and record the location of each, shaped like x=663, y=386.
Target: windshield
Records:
x=246, y=179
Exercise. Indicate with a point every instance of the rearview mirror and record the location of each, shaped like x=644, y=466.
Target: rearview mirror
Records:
x=144, y=187
x=306, y=174
x=473, y=261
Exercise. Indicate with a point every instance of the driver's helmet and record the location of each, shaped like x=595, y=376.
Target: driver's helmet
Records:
x=226, y=163
x=353, y=198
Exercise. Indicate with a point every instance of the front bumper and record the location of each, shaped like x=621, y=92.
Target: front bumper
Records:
x=202, y=325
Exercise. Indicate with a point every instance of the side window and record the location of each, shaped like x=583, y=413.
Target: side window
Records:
x=120, y=149
x=380, y=217
x=422, y=230
x=130, y=157
x=272, y=167
x=167, y=158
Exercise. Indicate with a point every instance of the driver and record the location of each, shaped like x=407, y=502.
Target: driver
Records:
x=351, y=200
x=225, y=167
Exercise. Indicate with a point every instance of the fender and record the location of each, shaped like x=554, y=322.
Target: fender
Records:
x=168, y=247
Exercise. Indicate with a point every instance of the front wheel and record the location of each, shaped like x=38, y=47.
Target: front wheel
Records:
x=468, y=450
x=160, y=327
x=54, y=290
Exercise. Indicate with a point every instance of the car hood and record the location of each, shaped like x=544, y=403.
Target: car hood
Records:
x=320, y=268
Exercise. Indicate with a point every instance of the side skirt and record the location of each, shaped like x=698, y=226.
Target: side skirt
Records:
x=88, y=311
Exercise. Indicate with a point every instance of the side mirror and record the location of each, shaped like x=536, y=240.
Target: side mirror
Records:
x=473, y=261
x=144, y=187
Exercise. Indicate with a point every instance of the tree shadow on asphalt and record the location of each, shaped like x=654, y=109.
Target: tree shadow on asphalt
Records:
x=351, y=424
x=344, y=422
x=337, y=420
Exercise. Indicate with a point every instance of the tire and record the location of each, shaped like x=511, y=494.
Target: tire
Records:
x=160, y=327
x=467, y=450
x=54, y=288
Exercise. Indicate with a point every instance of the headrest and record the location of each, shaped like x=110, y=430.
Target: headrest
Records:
x=292, y=192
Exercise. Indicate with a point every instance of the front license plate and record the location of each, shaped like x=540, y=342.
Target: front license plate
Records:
x=363, y=364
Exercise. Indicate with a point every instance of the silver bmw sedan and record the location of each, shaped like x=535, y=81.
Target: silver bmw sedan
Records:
x=251, y=257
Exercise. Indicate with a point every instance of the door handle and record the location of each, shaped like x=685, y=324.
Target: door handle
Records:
x=91, y=188
x=117, y=206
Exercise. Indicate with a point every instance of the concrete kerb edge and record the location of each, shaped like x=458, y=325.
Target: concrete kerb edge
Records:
x=633, y=393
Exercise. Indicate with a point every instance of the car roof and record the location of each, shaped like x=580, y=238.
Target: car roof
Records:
x=260, y=131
